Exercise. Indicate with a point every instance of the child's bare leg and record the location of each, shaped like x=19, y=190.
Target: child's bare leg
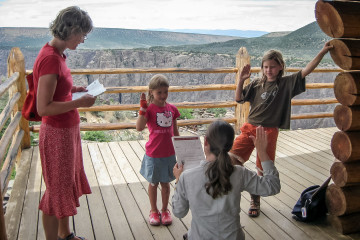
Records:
x=254, y=210
x=166, y=218
x=165, y=194
x=153, y=196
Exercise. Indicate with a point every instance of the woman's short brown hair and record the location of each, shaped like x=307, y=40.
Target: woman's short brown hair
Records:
x=71, y=20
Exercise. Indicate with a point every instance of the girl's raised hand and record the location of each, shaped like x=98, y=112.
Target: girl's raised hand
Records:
x=327, y=47
x=143, y=104
x=260, y=141
x=142, y=96
x=245, y=72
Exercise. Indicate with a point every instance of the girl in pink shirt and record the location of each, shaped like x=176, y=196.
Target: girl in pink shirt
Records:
x=159, y=159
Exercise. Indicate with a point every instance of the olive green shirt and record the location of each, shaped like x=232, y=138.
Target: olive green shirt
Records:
x=270, y=105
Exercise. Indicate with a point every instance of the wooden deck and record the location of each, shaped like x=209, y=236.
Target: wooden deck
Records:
x=118, y=207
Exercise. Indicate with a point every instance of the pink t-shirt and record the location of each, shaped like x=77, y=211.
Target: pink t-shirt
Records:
x=160, y=122
x=49, y=61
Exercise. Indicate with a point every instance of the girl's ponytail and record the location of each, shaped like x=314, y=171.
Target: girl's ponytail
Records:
x=220, y=137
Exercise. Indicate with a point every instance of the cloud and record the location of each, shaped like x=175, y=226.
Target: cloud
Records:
x=264, y=15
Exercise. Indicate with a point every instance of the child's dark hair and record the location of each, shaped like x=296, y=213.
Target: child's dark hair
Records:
x=71, y=20
x=278, y=58
x=157, y=81
x=220, y=136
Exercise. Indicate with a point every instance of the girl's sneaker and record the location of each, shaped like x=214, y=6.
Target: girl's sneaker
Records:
x=154, y=218
x=166, y=217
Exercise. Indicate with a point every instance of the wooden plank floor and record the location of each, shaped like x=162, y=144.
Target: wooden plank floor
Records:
x=118, y=207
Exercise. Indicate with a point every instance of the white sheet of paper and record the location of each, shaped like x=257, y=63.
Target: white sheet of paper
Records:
x=189, y=151
x=95, y=88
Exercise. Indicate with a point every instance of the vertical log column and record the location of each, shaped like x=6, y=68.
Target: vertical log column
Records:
x=241, y=110
x=341, y=19
x=16, y=63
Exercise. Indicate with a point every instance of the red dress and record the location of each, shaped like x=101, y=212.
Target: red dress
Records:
x=60, y=142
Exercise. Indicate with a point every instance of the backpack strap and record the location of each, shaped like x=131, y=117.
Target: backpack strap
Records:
x=324, y=185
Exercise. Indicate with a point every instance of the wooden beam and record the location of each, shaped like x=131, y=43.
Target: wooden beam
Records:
x=338, y=19
x=345, y=174
x=346, y=53
x=342, y=201
x=347, y=118
x=347, y=88
x=132, y=125
x=346, y=146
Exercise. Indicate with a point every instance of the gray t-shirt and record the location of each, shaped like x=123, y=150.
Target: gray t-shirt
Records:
x=270, y=105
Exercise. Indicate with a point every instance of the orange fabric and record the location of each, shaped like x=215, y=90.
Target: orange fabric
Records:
x=243, y=145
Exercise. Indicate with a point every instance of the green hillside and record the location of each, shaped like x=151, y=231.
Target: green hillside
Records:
x=300, y=45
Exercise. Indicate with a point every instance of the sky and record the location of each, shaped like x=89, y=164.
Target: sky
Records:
x=260, y=15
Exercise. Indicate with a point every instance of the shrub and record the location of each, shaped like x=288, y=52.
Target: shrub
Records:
x=123, y=115
x=186, y=113
x=99, y=114
x=219, y=112
x=98, y=136
x=130, y=135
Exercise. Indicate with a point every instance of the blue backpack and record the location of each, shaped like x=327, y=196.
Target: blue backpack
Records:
x=311, y=204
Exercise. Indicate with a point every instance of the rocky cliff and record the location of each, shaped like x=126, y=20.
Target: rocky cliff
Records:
x=100, y=59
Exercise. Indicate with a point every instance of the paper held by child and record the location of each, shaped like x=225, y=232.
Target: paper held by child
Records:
x=95, y=88
x=189, y=151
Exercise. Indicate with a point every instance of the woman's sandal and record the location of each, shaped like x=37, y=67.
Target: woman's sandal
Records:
x=70, y=237
x=254, y=210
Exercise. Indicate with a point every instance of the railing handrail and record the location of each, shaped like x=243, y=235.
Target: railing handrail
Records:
x=188, y=88
x=180, y=70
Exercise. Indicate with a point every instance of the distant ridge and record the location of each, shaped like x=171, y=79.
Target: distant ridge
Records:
x=107, y=38
x=228, y=32
x=276, y=34
x=297, y=47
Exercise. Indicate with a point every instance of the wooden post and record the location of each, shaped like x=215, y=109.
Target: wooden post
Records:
x=346, y=53
x=338, y=19
x=241, y=110
x=345, y=174
x=347, y=88
x=16, y=63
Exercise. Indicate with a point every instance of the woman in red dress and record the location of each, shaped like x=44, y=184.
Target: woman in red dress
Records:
x=59, y=139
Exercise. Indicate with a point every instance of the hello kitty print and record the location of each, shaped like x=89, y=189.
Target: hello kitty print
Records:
x=164, y=119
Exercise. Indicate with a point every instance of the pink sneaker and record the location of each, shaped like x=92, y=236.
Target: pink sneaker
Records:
x=166, y=217
x=154, y=218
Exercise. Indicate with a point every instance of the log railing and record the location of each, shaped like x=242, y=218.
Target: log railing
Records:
x=13, y=138
x=17, y=133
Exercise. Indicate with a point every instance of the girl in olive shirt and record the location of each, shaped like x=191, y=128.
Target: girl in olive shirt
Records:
x=270, y=107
